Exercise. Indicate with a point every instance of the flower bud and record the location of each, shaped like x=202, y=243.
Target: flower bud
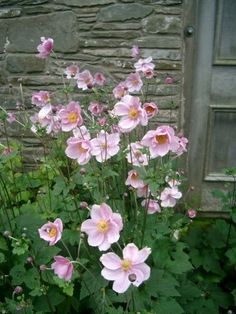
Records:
x=30, y=260
x=42, y=267
x=82, y=171
x=18, y=290
x=83, y=205
x=132, y=277
x=7, y=234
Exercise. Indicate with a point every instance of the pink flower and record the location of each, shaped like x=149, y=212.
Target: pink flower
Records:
x=169, y=80
x=134, y=180
x=84, y=80
x=136, y=156
x=103, y=228
x=45, y=48
x=149, y=73
x=51, y=231
x=40, y=98
x=134, y=82
x=81, y=133
x=95, y=108
x=71, y=71
x=153, y=206
x=99, y=79
x=182, y=143
x=129, y=270
x=102, y=121
x=79, y=149
x=144, y=65
x=7, y=151
x=62, y=267
x=143, y=191
x=169, y=196
x=70, y=116
x=160, y=141
x=151, y=109
x=135, y=51
x=105, y=145
x=120, y=90
x=191, y=213
x=129, y=108
x=11, y=117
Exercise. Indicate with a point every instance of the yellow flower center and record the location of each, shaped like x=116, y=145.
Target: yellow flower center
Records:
x=81, y=149
x=162, y=139
x=52, y=232
x=102, y=226
x=126, y=264
x=133, y=113
x=72, y=117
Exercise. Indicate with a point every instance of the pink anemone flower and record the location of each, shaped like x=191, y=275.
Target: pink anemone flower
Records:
x=131, y=269
x=131, y=112
x=169, y=196
x=70, y=116
x=62, y=267
x=134, y=82
x=71, y=71
x=160, y=141
x=40, y=98
x=51, y=231
x=103, y=228
x=120, y=90
x=85, y=80
x=153, y=206
x=105, y=145
x=134, y=180
x=45, y=48
x=151, y=109
x=135, y=51
x=144, y=65
x=135, y=156
x=79, y=149
x=99, y=79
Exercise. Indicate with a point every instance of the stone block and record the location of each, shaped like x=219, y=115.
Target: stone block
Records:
x=124, y=12
x=83, y=3
x=117, y=26
x=24, y=33
x=24, y=64
x=159, y=41
x=7, y=13
x=164, y=54
x=162, y=24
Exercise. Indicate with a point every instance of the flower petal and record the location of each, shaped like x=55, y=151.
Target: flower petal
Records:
x=110, y=261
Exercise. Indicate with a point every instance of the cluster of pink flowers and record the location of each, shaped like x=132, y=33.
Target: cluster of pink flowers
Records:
x=102, y=141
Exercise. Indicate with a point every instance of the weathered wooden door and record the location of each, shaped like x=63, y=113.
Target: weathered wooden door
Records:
x=210, y=93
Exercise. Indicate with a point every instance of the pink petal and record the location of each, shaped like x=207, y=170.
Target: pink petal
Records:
x=105, y=245
x=131, y=252
x=144, y=268
x=113, y=234
x=88, y=226
x=95, y=238
x=109, y=274
x=142, y=255
x=122, y=283
x=111, y=261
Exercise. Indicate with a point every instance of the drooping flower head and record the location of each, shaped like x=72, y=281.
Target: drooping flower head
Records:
x=144, y=65
x=131, y=269
x=169, y=196
x=103, y=228
x=135, y=51
x=105, y=145
x=120, y=90
x=72, y=71
x=131, y=112
x=51, y=231
x=11, y=117
x=134, y=82
x=134, y=180
x=85, y=80
x=151, y=109
x=99, y=79
x=62, y=267
x=45, y=48
x=135, y=156
x=152, y=206
x=40, y=98
x=70, y=116
x=160, y=141
x=95, y=108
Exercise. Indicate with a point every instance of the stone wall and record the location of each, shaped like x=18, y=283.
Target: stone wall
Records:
x=95, y=34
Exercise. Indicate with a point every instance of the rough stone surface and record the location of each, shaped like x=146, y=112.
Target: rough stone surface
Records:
x=6, y=13
x=83, y=3
x=24, y=64
x=159, y=42
x=124, y=12
x=24, y=34
x=162, y=24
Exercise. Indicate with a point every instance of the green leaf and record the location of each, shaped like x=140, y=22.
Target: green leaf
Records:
x=45, y=254
x=92, y=281
x=167, y=306
x=67, y=287
x=180, y=261
x=32, y=278
x=72, y=236
x=3, y=244
x=17, y=273
x=2, y=258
